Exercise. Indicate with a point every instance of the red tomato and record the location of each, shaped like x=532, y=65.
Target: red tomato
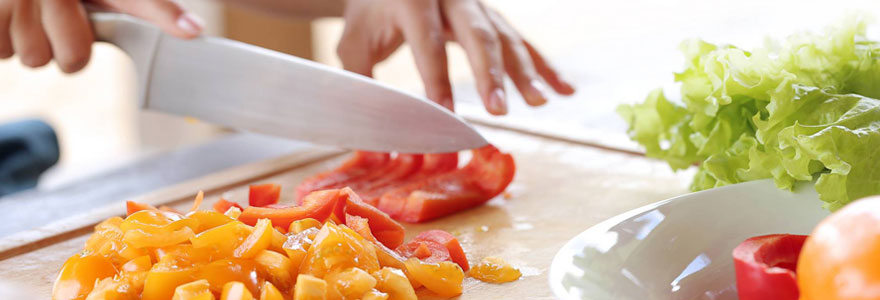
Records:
x=362, y=163
x=224, y=205
x=263, y=194
x=484, y=177
x=765, y=267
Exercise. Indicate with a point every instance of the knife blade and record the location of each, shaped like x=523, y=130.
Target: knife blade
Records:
x=254, y=89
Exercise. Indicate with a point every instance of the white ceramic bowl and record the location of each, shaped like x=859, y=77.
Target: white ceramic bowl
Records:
x=679, y=248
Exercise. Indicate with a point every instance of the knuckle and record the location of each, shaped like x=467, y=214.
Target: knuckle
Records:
x=485, y=35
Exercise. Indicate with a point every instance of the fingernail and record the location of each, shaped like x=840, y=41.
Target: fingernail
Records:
x=566, y=86
x=536, y=93
x=190, y=23
x=497, y=104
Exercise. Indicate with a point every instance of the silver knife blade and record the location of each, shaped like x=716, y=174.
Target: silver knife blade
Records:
x=254, y=89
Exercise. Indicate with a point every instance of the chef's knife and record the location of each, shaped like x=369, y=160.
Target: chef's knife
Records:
x=254, y=89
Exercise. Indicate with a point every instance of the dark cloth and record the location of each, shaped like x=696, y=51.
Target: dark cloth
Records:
x=27, y=149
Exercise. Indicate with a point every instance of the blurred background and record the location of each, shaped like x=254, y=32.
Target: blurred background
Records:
x=614, y=51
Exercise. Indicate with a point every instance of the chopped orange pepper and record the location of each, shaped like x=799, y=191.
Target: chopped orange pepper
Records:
x=276, y=268
x=337, y=248
x=112, y=289
x=198, y=201
x=141, y=239
x=309, y=287
x=270, y=292
x=259, y=239
x=444, y=278
x=208, y=219
x=352, y=283
x=79, y=274
x=236, y=291
x=225, y=238
x=220, y=272
x=165, y=275
x=196, y=290
x=494, y=270
x=300, y=225
x=132, y=207
x=394, y=283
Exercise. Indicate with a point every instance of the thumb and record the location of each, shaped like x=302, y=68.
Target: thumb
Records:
x=168, y=15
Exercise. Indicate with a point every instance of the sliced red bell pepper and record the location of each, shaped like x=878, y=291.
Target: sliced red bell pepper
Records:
x=456, y=253
x=432, y=164
x=361, y=226
x=261, y=195
x=383, y=227
x=765, y=267
x=401, y=167
x=362, y=163
x=318, y=205
x=484, y=177
x=223, y=205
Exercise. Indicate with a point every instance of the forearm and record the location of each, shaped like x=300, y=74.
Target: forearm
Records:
x=298, y=8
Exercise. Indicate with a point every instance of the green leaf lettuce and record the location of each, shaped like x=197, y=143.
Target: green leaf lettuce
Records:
x=794, y=111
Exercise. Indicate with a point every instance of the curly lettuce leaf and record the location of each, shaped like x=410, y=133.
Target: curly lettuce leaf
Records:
x=801, y=110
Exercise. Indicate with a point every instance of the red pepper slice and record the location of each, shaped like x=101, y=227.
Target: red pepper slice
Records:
x=432, y=164
x=133, y=207
x=223, y=205
x=386, y=230
x=765, y=267
x=456, y=253
x=362, y=163
x=261, y=195
x=319, y=205
x=484, y=177
x=426, y=251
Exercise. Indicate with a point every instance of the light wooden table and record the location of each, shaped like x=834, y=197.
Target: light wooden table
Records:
x=560, y=189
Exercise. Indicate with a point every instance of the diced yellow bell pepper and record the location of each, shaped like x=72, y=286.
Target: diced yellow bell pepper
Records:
x=220, y=272
x=300, y=225
x=375, y=295
x=112, y=289
x=224, y=238
x=349, y=284
x=270, y=292
x=393, y=282
x=276, y=268
x=135, y=271
x=259, y=239
x=494, y=270
x=142, y=239
x=444, y=278
x=209, y=219
x=165, y=275
x=236, y=291
x=196, y=290
x=338, y=248
x=309, y=287
x=79, y=274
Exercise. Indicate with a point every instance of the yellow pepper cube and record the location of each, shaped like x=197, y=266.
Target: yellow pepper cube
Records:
x=309, y=287
x=196, y=290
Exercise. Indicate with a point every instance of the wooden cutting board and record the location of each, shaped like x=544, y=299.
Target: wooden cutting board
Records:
x=561, y=188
